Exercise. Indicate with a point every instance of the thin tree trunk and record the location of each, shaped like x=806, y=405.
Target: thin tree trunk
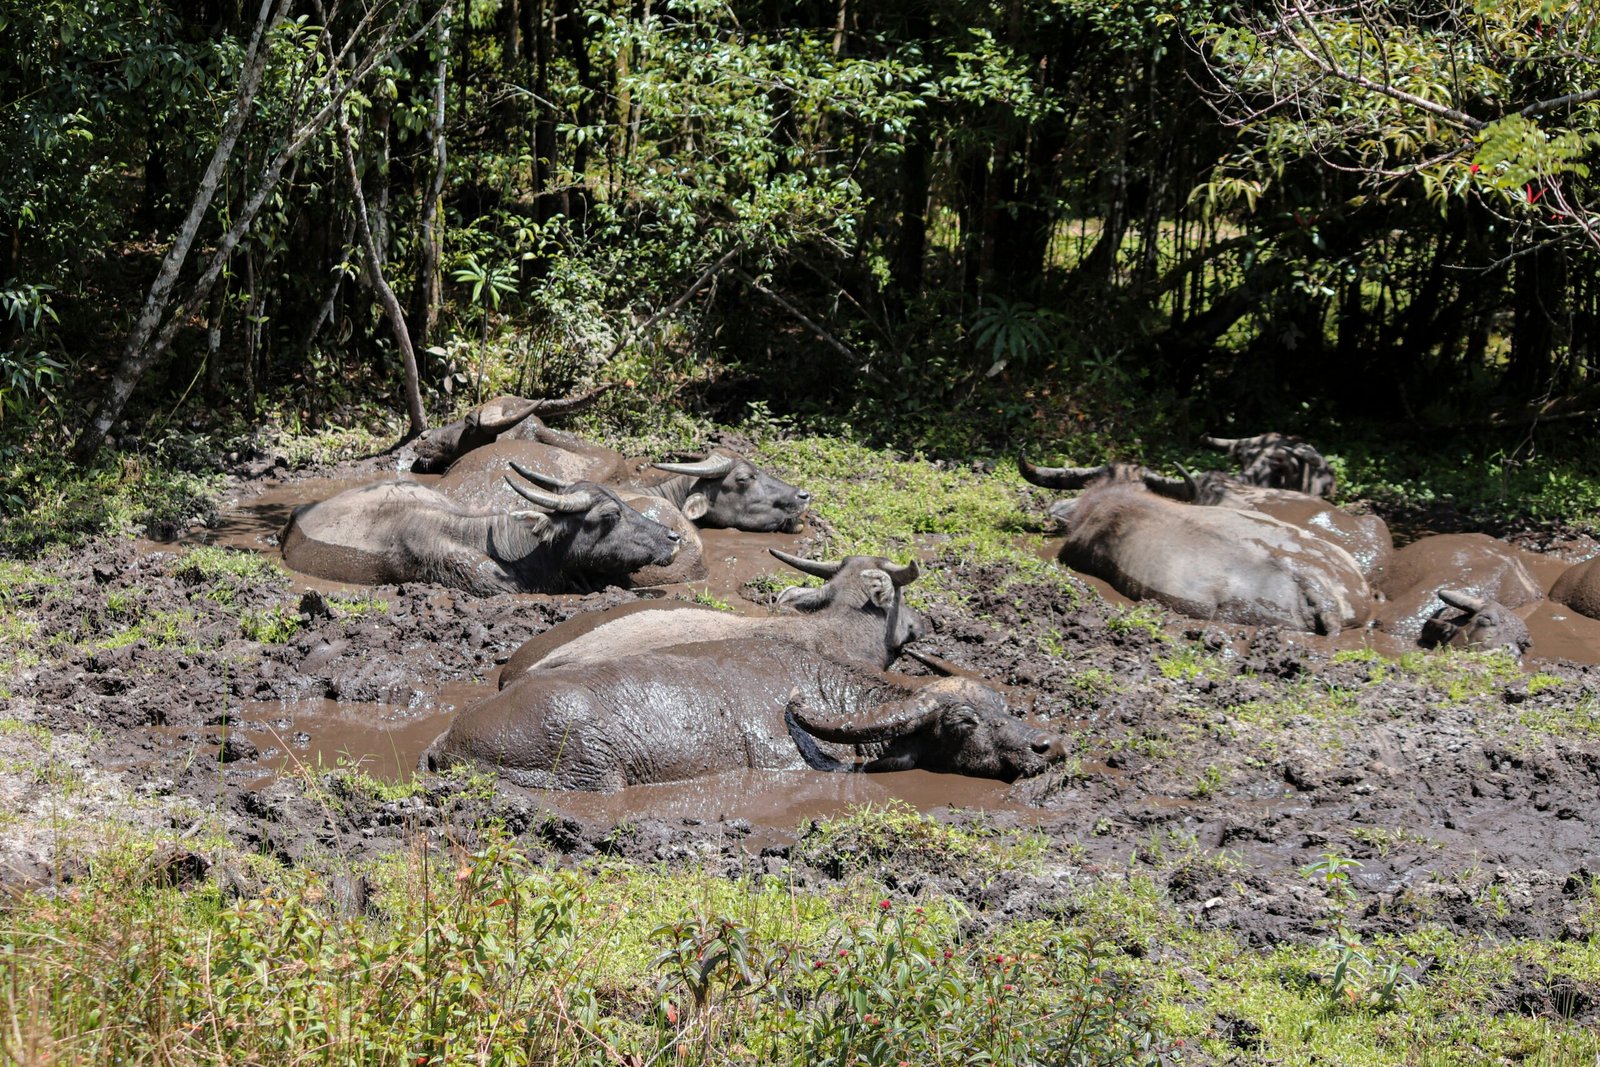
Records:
x=429, y=282
x=391, y=306
x=136, y=356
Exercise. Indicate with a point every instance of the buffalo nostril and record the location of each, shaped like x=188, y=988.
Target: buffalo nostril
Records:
x=1043, y=746
x=804, y=494
x=673, y=535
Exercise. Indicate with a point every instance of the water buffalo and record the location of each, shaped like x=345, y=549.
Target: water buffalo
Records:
x=1279, y=461
x=504, y=416
x=476, y=479
x=1207, y=563
x=738, y=494
x=858, y=615
x=1474, y=565
x=1365, y=537
x=402, y=532
x=698, y=709
x=1579, y=588
x=1477, y=624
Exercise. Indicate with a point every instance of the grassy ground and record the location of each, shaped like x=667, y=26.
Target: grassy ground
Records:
x=482, y=948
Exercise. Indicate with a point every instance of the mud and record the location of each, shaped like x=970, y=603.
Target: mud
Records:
x=1219, y=760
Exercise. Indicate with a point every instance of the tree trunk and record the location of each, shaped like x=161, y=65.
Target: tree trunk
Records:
x=429, y=282
x=391, y=306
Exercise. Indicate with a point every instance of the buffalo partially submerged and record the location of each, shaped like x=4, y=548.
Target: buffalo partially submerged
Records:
x=401, y=531
x=1279, y=461
x=701, y=709
x=858, y=615
x=1473, y=565
x=1477, y=624
x=476, y=479
x=1207, y=563
x=738, y=495
x=504, y=416
x=1579, y=588
x=1365, y=537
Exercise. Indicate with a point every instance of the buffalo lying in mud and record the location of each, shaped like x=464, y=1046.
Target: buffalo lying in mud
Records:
x=1473, y=565
x=716, y=706
x=1207, y=563
x=1476, y=624
x=392, y=532
x=859, y=615
x=1279, y=461
x=738, y=495
x=1365, y=537
x=476, y=480
x=502, y=417
x=1579, y=588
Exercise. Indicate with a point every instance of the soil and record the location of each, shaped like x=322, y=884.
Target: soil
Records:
x=1218, y=759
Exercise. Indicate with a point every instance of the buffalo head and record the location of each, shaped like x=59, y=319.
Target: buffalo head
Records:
x=597, y=532
x=865, y=586
x=952, y=725
x=739, y=495
x=1477, y=623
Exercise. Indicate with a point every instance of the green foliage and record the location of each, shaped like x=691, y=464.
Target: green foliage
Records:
x=896, y=836
x=272, y=626
x=226, y=573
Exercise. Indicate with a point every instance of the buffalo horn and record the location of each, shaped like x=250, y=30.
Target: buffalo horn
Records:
x=569, y=502
x=906, y=719
x=710, y=467
x=901, y=574
x=1226, y=443
x=1176, y=488
x=1058, y=477
x=570, y=403
x=1465, y=601
x=542, y=480
x=817, y=567
x=503, y=413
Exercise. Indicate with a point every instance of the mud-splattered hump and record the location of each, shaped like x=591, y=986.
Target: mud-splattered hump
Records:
x=1475, y=563
x=1579, y=588
x=571, y=634
x=336, y=542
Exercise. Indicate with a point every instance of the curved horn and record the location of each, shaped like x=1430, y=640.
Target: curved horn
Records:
x=570, y=403
x=710, y=467
x=901, y=574
x=502, y=413
x=905, y=717
x=817, y=567
x=1183, y=488
x=1058, y=477
x=568, y=502
x=1223, y=443
x=543, y=480
x=1456, y=598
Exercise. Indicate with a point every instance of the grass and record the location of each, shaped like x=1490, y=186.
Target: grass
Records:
x=896, y=837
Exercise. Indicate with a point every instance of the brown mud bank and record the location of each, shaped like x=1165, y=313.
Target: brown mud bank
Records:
x=1217, y=759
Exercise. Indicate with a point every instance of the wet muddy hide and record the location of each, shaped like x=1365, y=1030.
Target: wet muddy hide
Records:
x=1365, y=537
x=717, y=706
x=393, y=532
x=1579, y=588
x=503, y=418
x=859, y=615
x=689, y=565
x=1212, y=563
x=477, y=479
x=1475, y=565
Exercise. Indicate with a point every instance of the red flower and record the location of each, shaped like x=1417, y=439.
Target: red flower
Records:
x=1474, y=168
x=884, y=904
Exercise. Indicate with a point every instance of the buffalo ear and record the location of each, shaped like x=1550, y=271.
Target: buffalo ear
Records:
x=538, y=522
x=802, y=598
x=695, y=507
x=880, y=587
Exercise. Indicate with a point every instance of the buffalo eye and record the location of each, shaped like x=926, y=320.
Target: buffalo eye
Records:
x=964, y=718
x=608, y=516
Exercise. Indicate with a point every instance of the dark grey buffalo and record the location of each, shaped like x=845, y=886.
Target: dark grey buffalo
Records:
x=859, y=615
x=1579, y=588
x=403, y=532
x=1207, y=563
x=738, y=495
x=504, y=416
x=693, y=710
x=1477, y=624
x=1473, y=565
x=1279, y=461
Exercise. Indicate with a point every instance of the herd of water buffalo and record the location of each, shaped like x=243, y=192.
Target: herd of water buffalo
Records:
x=656, y=691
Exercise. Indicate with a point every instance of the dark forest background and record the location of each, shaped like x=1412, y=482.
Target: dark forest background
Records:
x=958, y=222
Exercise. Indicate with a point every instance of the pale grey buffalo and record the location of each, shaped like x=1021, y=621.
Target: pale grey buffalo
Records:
x=1206, y=562
x=692, y=710
x=738, y=495
x=1279, y=461
x=859, y=615
x=401, y=531
x=504, y=417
